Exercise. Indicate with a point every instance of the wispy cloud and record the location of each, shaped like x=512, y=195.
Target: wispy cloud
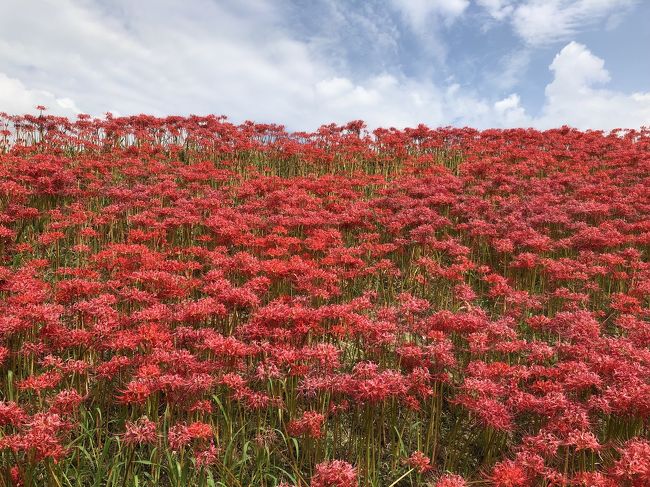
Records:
x=540, y=22
x=421, y=13
x=511, y=69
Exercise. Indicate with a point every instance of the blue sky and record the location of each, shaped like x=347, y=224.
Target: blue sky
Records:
x=481, y=63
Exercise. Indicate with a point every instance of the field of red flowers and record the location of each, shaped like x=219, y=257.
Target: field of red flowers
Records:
x=184, y=301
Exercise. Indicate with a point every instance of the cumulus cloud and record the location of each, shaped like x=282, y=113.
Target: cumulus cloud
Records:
x=540, y=22
x=574, y=96
x=511, y=113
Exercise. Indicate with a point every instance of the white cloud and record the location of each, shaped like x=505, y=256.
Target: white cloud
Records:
x=511, y=112
x=15, y=97
x=498, y=9
x=342, y=93
x=385, y=100
x=511, y=69
x=201, y=57
x=540, y=22
x=576, y=97
x=573, y=97
x=576, y=68
x=428, y=19
x=420, y=13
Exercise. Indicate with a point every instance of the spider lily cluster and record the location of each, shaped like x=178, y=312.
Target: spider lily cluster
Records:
x=184, y=301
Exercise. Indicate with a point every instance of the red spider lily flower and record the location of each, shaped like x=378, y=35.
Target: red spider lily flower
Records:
x=203, y=407
x=335, y=473
x=207, y=456
x=509, y=474
x=199, y=430
x=181, y=435
x=420, y=462
x=66, y=402
x=451, y=480
x=16, y=477
x=634, y=465
x=264, y=438
x=140, y=432
x=310, y=425
x=593, y=479
x=41, y=437
x=11, y=413
x=110, y=368
x=583, y=440
x=48, y=380
x=136, y=392
x=7, y=233
x=178, y=437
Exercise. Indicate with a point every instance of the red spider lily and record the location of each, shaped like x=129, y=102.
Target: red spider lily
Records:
x=451, y=480
x=206, y=457
x=66, y=402
x=479, y=297
x=583, y=440
x=136, y=392
x=140, y=432
x=508, y=474
x=420, y=462
x=335, y=473
x=310, y=425
x=180, y=435
x=11, y=413
x=48, y=380
x=16, y=477
x=41, y=437
x=595, y=479
x=203, y=407
x=634, y=464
